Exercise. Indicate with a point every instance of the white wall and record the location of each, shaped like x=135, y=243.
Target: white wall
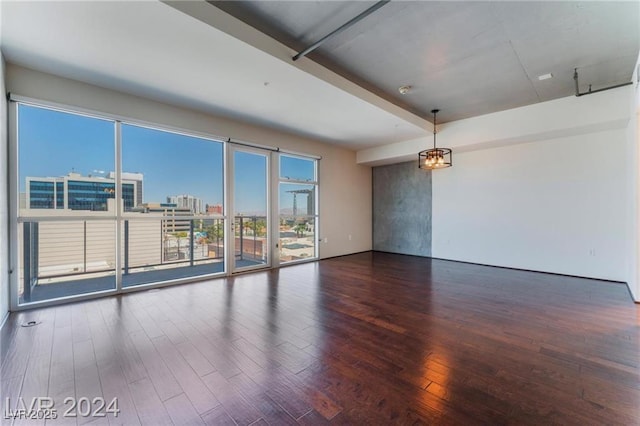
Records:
x=4, y=222
x=538, y=122
x=556, y=206
x=345, y=187
x=550, y=187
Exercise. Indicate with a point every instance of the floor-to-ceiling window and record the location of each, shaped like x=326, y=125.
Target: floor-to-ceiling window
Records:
x=297, y=202
x=175, y=226
x=104, y=205
x=66, y=215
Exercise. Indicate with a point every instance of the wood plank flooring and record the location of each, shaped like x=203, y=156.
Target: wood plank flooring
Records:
x=369, y=339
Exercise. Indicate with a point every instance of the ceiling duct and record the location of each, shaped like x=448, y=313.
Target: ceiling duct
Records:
x=575, y=79
x=358, y=18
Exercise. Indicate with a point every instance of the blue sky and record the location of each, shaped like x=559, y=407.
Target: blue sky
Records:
x=53, y=143
x=250, y=183
x=173, y=164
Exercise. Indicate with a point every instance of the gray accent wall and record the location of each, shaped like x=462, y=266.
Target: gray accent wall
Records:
x=402, y=209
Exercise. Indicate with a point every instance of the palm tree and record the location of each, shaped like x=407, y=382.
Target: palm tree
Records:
x=248, y=225
x=215, y=232
x=261, y=228
x=300, y=229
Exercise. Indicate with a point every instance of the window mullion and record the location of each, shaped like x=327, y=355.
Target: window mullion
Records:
x=118, y=203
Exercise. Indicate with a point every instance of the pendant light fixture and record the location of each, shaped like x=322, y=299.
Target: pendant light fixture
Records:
x=435, y=158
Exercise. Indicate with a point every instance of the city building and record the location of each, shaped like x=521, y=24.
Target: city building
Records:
x=310, y=204
x=215, y=209
x=137, y=179
x=187, y=202
x=172, y=215
x=77, y=192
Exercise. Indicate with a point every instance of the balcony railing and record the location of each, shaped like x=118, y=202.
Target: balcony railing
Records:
x=79, y=253
x=63, y=252
x=250, y=233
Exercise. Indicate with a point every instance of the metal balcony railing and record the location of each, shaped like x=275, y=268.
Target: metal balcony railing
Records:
x=59, y=251
x=55, y=250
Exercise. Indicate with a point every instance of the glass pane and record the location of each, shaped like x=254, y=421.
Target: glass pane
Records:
x=297, y=199
x=297, y=168
x=169, y=249
x=62, y=259
x=250, y=240
x=297, y=238
x=65, y=163
x=170, y=178
x=250, y=209
x=170, y=173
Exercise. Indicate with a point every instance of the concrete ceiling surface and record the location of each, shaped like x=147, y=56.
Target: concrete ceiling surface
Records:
x=467, y=58
x=150, y=49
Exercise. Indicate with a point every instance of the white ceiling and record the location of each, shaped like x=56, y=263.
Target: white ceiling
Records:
x=153, y=50
x=466, y=58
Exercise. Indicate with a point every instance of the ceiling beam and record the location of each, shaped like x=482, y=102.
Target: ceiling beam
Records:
x=222, y=21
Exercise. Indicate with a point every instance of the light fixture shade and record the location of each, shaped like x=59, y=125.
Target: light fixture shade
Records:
x=435, y=158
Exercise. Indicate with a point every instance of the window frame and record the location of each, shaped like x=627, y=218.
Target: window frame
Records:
x=316, y=214
x=16, y=220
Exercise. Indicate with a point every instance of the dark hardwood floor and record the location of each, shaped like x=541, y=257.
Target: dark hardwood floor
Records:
x=370, y=339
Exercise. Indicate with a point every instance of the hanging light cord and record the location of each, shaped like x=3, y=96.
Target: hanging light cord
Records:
x=434, y=111
x=434, y=128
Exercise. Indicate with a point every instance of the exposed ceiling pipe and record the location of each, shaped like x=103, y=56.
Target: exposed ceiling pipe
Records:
x=358, y=18
x=575, y=79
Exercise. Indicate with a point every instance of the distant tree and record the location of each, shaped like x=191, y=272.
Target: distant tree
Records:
x=215, y=232
x=261, y=228
x=300, y=229
x=179, y=236
x=248, y=226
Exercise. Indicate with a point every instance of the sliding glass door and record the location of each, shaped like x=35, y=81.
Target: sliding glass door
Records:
x=249, y=206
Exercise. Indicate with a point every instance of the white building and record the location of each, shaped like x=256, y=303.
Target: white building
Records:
x=185, y=201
